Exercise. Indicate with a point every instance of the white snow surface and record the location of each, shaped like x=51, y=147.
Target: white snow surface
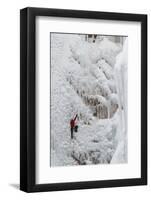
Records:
x=84, y=82
x=121, y=81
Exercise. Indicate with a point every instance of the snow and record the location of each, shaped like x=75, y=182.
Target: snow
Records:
x=121, y=81
x=84, y=82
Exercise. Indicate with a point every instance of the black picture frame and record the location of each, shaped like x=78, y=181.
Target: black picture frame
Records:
x=28, y=99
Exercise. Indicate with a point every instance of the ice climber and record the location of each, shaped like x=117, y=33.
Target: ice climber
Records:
x=73, y=126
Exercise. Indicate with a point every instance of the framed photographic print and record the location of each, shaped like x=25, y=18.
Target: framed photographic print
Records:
x=83, y=99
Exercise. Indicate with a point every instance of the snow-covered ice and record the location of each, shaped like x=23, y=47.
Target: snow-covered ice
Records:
x=90, y=80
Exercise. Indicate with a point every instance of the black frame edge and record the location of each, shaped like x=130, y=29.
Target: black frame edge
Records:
x=87, y=14
x=144, y=145
x=23, y=100
x=27, y=100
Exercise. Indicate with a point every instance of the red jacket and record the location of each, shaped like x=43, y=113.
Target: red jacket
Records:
x=72, y=122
